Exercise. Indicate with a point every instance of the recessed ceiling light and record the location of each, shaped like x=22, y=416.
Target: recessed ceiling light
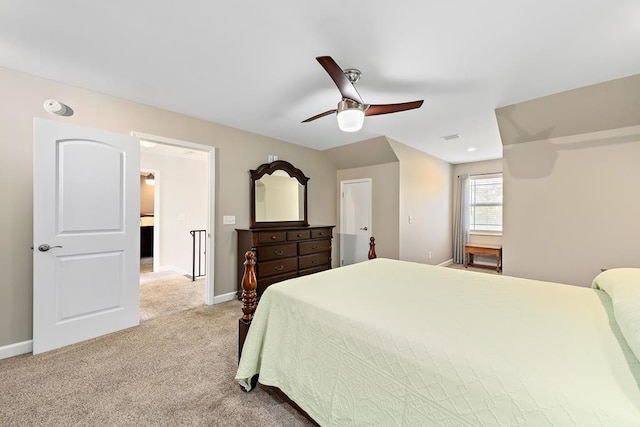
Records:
x=450, y=137
x=471, y=149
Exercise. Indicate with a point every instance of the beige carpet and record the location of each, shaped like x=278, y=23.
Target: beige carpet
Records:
x=170, y=371
x=477, y=269
x=146, y=265
x=167, y=292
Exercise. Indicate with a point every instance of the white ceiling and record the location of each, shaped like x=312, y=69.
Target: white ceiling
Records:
x=251, y=64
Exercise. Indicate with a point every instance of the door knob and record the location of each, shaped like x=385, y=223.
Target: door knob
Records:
x=45, y=247
x=364, y=228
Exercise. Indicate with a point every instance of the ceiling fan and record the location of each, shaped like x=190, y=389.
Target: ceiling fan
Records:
x=351, y=109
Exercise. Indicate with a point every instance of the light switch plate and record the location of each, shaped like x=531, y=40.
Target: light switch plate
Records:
x=229, y=219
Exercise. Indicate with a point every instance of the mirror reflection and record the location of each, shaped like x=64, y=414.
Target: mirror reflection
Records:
x=279, y=197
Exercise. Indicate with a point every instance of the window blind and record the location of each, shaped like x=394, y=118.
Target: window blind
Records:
x=485, y=202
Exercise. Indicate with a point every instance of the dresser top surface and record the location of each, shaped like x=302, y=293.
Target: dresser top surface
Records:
x=272, y=229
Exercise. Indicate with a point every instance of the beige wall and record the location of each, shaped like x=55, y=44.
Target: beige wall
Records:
x=610, y=105
x=371, y=152
x=425, y=196
x=385, y=183
x=579, y=213
x=236, y=153
x=476, y=168
x=571, y=181
x=410, y=183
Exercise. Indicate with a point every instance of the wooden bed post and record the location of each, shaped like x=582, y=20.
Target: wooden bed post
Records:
x=372, y=248
x=249, y=295
x=249, y=298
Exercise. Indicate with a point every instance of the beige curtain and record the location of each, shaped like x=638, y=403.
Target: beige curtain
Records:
x=461, y=219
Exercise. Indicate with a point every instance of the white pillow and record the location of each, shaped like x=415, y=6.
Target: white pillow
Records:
x=623, y=287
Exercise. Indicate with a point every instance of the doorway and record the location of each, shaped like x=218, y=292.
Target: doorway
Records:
x=355, y=220
x=183, y=200
x=180, y=177
x=149, y=215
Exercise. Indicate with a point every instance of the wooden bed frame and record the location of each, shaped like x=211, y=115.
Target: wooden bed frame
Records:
x=250, y=297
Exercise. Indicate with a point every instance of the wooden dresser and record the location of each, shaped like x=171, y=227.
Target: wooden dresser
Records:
x=284, y=253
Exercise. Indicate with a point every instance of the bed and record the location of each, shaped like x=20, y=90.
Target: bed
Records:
x=387, y=342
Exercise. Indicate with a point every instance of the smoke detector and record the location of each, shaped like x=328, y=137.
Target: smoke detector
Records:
x=56, y=107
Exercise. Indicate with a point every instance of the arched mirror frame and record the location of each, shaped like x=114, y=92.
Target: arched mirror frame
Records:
x=269, y=168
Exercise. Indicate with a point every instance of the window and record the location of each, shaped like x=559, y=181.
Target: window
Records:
x=485, y=203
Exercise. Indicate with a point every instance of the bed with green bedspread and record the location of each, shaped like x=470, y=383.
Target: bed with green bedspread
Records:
x=387, y=342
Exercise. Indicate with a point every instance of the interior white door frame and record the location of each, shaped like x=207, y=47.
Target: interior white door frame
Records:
x=211, y=196
x=342, y=209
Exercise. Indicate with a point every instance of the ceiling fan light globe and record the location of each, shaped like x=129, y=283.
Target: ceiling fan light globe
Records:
x=350, y=120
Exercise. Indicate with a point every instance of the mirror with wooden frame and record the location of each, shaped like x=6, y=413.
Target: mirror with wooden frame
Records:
x=278, y=196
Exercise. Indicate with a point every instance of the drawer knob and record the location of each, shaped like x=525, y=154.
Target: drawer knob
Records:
x=273, y=237
x=321, y=233
x=278, y=252
x=279, y=267
x=299, y=235
x=313, y=248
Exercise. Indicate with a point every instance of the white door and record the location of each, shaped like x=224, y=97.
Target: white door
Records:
x=86, y=231
x=355, y=220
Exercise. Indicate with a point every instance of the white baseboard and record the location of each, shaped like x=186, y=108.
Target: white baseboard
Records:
x=225, y=297
x=446, y=263
x=16, y=349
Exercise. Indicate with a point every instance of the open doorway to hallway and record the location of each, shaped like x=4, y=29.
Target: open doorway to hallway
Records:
x=147, y=219
x=174, y=204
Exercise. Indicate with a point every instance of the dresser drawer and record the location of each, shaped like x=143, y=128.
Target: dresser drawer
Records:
x=314, y=260
x=314, y=270
x=284, y=253
x=272, y=237
x=280, y=266
x=316, y=246
x=263, y=284
x=320, y=233
x=265, y=253
x=299, y=235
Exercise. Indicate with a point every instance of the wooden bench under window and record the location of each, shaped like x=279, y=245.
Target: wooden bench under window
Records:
x=473, y=249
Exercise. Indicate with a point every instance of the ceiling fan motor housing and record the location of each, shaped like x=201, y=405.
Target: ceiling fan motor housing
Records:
x=353, y=74
x=350, y=104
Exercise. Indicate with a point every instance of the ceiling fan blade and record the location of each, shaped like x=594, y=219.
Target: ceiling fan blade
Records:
x=346, y=88
x=317, y=116
x=374, y=110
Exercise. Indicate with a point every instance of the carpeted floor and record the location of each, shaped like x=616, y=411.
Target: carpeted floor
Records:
x=170, y=371
x=477, y=269
x=167, y=292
